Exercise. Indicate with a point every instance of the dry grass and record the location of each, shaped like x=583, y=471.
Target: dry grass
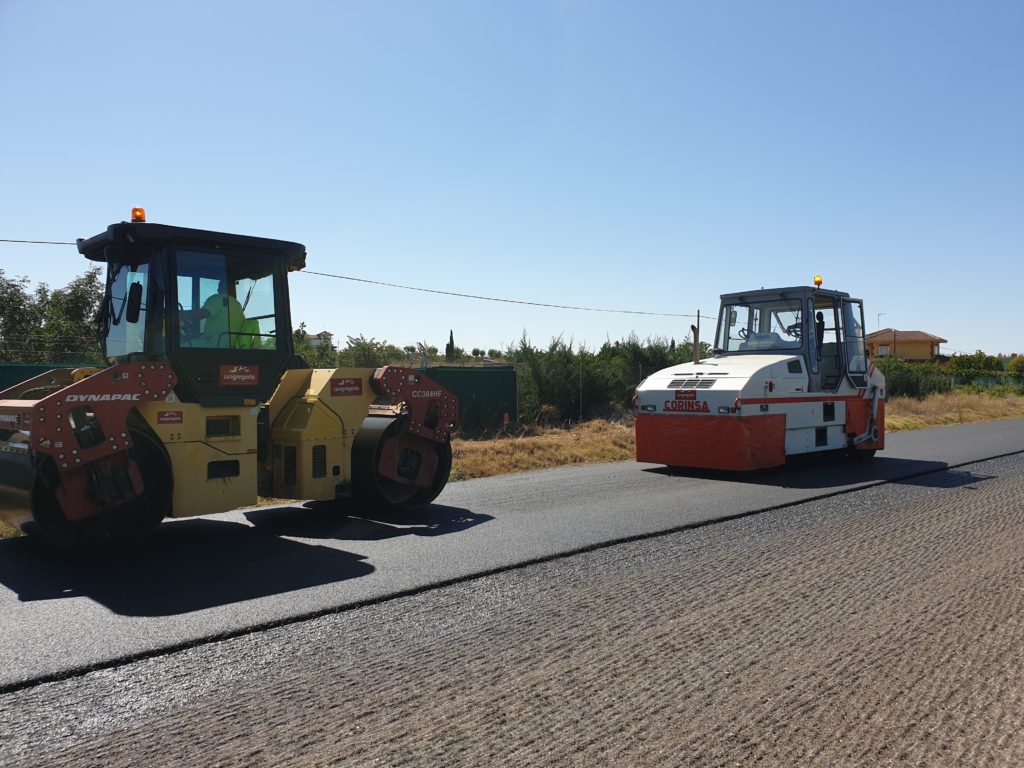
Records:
x=586, y=443
x=950, y=408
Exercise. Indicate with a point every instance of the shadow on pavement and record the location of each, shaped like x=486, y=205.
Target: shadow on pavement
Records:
x=954, y=478
x=822, y=471
x=349, y=521
x=186, y=566
x=190, y=565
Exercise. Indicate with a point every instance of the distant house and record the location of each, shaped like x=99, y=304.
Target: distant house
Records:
x=322, y=339
x=905, y=345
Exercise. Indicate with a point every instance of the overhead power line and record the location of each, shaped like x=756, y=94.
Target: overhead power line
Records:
x=492, y=298
x=436, y=291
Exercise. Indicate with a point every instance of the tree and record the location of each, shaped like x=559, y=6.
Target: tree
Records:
x=69, y=319
x=50, y=326
x=979, y=362
x=316, y=355
x=395, y=355
x=1016, y=366
x=426, y=350
x=19, y=318
x=449, y=348
x=362, y=352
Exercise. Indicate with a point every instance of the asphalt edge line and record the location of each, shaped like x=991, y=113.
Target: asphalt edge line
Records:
x=169, y=650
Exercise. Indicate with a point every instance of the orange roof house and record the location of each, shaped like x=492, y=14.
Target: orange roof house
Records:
x=905, y=345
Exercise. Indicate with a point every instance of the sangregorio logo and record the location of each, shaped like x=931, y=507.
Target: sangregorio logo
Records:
x=346, y=387
x=236, y=375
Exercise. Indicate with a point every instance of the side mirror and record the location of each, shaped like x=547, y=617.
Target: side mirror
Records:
x=732, y=317
x=134, y=303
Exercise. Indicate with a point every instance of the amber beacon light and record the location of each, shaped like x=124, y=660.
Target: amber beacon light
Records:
x=138, y=215
x=817, y=281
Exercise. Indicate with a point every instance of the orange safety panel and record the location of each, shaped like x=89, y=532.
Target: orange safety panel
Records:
x=712, y=442
x=858, y=416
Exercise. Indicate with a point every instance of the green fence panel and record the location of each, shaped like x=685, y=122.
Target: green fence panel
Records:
x=982, y=380
x=487, y=395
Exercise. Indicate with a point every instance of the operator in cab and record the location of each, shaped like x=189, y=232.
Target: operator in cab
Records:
x=222, y=319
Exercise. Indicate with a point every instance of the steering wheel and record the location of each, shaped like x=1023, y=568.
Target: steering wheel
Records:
x=794, y=330
x=188, y=331
x=742, y=333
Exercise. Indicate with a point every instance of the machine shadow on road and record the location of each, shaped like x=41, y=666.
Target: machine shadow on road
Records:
x=187, y=566
x=820, y=472
x=953, y=478
x=348, y=520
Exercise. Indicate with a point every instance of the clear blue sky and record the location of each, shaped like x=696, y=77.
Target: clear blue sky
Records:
x=643, y=155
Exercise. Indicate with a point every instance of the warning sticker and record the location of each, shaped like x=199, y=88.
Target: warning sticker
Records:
x=170, y=417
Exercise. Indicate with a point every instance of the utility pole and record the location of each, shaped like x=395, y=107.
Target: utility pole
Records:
x=695, y=329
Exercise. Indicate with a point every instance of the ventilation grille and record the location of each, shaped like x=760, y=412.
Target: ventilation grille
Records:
x=290, y=466
x=319, y=461
x=691, y=383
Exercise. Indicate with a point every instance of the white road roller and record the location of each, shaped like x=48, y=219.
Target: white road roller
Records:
x=788, y=375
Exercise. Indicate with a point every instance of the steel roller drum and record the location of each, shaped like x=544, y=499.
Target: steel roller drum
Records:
x=371, y=487
x=16, y=480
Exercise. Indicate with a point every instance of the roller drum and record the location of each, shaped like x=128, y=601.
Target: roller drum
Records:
x=370, y=486
x=17, y=478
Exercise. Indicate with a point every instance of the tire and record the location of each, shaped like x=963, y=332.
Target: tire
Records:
x=860, y=454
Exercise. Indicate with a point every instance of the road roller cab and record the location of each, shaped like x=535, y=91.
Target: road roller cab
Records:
x=204, y=405
x=213, y=305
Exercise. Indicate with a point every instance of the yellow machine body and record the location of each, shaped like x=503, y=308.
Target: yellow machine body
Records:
x=186, y=421
x=212, y=452
x=312, y=430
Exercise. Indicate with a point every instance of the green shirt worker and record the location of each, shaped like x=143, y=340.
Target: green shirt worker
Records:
x=223, y=318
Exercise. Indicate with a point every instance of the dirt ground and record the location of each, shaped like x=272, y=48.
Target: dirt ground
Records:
x=881, y=628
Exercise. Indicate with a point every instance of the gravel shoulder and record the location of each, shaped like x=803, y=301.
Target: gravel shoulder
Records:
x=880, y=627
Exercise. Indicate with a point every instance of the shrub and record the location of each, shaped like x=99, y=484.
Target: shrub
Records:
x=1007, y=389
x=577, y=382
x=912, y=379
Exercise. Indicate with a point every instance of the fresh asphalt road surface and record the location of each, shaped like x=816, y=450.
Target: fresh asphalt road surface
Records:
x=222, y=575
